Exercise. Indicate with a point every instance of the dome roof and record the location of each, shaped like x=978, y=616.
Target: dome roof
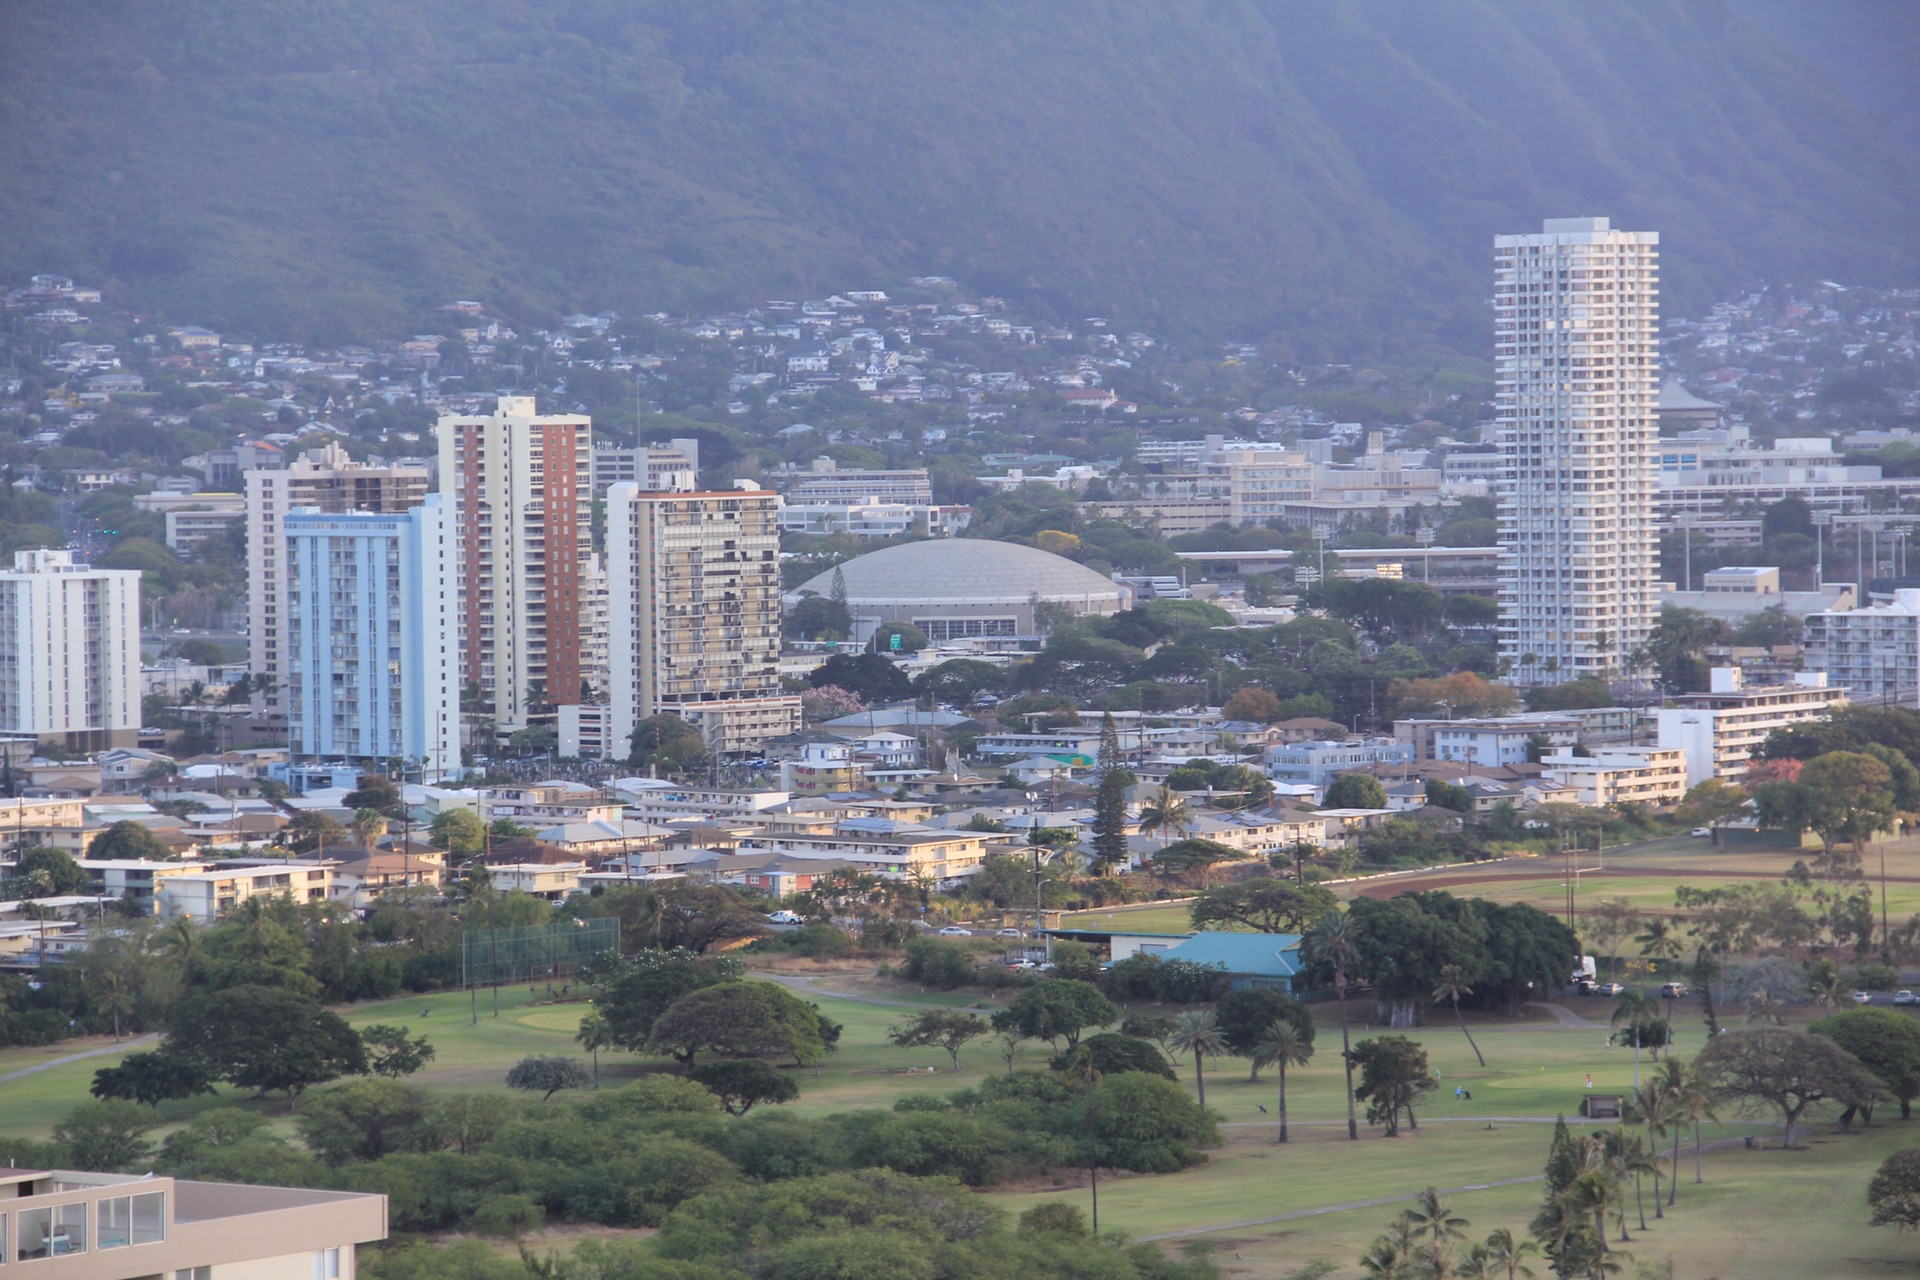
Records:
x=962, y=569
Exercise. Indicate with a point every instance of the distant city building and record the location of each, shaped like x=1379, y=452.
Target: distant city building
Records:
x=370, y=660
x=827, y=484
x=1736, y=592
x=672, y=466
x=1318, y=763
x=330, y=481
x=69, y=652
x=519, y=485
x=874, y=519
x=1576, y=322
x=1720, y=730
x=1873, y=653
x=694, y=614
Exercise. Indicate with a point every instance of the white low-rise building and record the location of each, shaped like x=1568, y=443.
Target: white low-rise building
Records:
x=205, y=896
x=1622, y=775
x=1873, y=653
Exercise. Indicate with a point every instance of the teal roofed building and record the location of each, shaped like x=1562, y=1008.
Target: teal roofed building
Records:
x=1252, y=960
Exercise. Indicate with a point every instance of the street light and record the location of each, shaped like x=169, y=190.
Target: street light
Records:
x=1321, y=534
x=1425, y=537
x=1822, y=520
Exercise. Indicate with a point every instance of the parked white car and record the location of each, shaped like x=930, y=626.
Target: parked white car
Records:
x=955, y=931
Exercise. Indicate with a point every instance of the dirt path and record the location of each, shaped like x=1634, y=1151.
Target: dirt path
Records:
x=1565, y=1017
x=78, y=1057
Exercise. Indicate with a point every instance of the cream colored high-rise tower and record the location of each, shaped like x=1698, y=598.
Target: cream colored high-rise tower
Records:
x=1576, y=333
x=693, y=594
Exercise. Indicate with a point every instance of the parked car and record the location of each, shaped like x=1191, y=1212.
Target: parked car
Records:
x=1904, y=997
x=1011, y=933
x=1863, y=997
x=1703, y=832
x=784, y=917
x=955, y=931
x=1674, y=991
x=1609, y=989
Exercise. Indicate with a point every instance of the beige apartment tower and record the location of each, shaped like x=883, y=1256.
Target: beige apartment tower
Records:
x=519, y=486
x=327, y=480
x=694, y=614
x=1576, y=356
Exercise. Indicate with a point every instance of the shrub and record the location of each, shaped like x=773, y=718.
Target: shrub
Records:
x=511, y=1216
x=939, y=964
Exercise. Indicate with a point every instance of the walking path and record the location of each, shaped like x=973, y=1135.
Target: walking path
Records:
x=1565, y=1017
x=77, y=1057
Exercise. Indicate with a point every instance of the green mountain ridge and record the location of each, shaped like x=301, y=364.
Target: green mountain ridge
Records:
x=1328, y=175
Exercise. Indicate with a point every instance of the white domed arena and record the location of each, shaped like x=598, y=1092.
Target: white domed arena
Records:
x=963, y=588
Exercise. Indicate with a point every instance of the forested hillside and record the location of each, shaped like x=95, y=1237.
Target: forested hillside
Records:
x=1329, y=174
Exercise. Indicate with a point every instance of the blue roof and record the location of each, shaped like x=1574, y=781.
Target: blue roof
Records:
x=1266, y=955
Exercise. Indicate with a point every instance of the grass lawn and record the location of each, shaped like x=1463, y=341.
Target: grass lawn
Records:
x=1811, y=1202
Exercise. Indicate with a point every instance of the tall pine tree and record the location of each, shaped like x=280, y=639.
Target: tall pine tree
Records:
x=1110, y=801
x=1551, y=1226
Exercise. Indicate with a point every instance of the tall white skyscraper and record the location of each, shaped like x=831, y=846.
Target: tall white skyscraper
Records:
x=70, y=652
x=370, y=655
x=1576, y=323
x=694, y=614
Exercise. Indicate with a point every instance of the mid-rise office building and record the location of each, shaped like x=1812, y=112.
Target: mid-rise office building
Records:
x=518, y=486
x=828, y=484
x=370, y=657
x=69, y=652
x=1576, y=357
x=694, y=612
x=330, y=481
x=672, y=466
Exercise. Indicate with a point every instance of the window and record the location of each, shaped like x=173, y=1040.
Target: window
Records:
x=194, y=1273
x=53, y=1231
x=326, y=1264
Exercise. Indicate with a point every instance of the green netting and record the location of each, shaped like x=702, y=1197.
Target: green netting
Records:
x=534, y=952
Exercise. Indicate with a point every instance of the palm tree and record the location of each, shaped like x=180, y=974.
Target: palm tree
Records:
x=1168, y=813
x=1434, y=1221
x=1393, y=1256
x=1199, y=1033
x=595, y=1034
x=179, y=938
x=1453, y=985
x=1334, y=941
x=1658, y=1107
x=1502, y=1249
x=1636, y=1009
x=1636, y=1160
x=369, y=825
x=1692, y=1102
x=1282, y=1046
x=1659, y=941
x=1823, y=977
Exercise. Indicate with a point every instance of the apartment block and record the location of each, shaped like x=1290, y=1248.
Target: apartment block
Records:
x=1873, y=653
x=325, y=479
x=69, y=1225
x=1621, y=775
x=69, y=652
x=518, y=486
x=1576, y=357
x=370, y=658
x=205, y=896
x=694, y=614
x=1720, y=730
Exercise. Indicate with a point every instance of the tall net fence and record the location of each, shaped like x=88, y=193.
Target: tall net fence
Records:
x=491, y=957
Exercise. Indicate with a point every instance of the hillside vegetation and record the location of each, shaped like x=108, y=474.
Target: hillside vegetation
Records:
x=1326, y=174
